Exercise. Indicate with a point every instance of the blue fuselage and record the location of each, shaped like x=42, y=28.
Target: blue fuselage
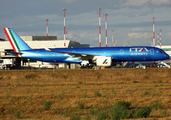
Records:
x=134, y=53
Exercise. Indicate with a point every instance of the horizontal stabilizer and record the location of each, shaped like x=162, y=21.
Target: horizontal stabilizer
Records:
x=15, y=53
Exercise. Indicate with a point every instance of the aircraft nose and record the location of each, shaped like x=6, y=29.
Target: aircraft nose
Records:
x=166, y=56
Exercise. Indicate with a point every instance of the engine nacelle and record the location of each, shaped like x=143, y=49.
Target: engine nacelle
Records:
x=84, y=62
x=103, y=61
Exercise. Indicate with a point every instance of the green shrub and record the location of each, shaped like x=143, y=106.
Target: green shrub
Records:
x=81, y=106
x=87, y=118
x=26, y=117
x=17, y=114
x=143, y=112
x=47, y=105
x=104, y=94
x=132, y=114
x=75, y=118
x=163, y=114
x=156, y=105
x=122, y=103
x=84, y=95
x=96, y=106
x=93, y=112
x=60, y=112
x=67, y=113
x=146, y=93
x=120, y=110
x=7, y=96
x=105, y=103
x=39, y=109
x=61, y=95
x=155, y=94
x=113, y=91
x=97, y=94
x=102, y=116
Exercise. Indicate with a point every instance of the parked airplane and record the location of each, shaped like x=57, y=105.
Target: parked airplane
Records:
x=101, y=56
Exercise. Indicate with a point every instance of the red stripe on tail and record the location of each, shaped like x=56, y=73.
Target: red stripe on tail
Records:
x=10, y=40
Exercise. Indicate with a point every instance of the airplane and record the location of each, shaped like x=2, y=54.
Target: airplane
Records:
x=100, y=56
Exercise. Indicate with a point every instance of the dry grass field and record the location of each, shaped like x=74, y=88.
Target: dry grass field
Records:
x=84, y=94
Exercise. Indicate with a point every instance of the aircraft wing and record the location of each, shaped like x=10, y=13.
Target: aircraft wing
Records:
x=79, y=56
x=76, y=55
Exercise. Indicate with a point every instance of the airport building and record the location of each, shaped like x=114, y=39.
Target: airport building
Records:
x=37, y=42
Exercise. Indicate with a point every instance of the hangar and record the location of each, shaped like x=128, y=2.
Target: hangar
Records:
x=39, y=42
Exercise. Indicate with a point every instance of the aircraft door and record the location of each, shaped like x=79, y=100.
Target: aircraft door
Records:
x=37, y=53
x=121, y=52
x=151, y=51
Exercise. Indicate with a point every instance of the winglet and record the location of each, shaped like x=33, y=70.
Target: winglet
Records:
x=47, y=49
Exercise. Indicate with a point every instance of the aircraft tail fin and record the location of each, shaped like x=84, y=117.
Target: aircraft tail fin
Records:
x=16, y=42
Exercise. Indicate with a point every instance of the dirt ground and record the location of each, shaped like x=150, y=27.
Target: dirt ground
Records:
x=23, y=93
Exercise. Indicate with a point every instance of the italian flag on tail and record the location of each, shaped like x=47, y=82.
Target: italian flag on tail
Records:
x=16, y=42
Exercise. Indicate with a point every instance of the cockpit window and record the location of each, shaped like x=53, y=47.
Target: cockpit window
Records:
x=161, y=51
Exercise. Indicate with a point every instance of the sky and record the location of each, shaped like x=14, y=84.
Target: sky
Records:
x=131, y=20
